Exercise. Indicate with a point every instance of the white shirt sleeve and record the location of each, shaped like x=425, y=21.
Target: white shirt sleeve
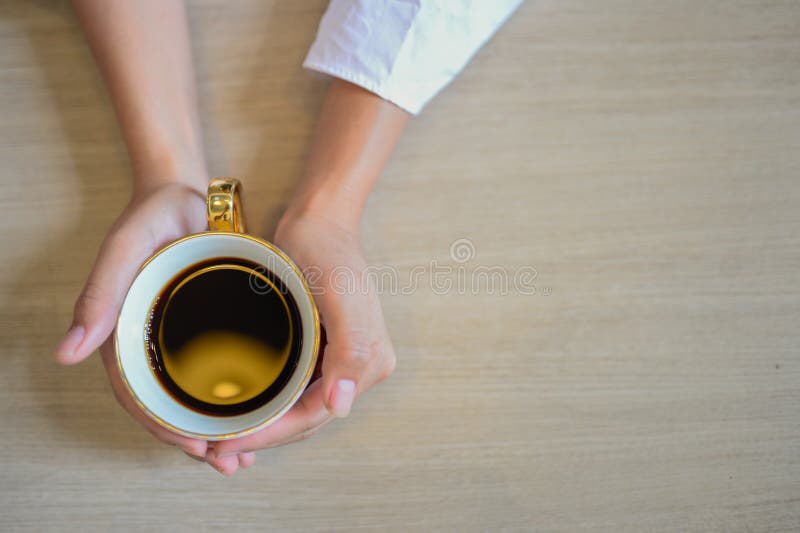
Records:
x=405, y=51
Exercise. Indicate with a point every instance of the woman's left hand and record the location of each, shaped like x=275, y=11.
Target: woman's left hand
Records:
x=359, y=353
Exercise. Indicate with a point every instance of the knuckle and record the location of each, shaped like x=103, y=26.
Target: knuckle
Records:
x=121, y=237
x=387, y=367
x=91, y=297
x=307, y=434
x=359, y=351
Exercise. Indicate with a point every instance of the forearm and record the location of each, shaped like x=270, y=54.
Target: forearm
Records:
x=142, y=49
x=355, y=135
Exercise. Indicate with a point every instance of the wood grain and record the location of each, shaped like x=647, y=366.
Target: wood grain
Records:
x=643, y=157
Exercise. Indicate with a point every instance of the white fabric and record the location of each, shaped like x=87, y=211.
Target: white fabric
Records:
x=405, y=51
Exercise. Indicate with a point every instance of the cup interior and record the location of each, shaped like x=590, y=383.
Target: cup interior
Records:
x=131, y=352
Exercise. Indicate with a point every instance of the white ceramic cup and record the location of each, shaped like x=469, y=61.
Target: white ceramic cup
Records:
x=226, y=238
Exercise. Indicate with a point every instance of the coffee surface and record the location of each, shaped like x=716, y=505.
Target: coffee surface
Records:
x=224, y=336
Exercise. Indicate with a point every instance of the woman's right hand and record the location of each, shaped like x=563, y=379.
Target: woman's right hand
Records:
x=152, y=219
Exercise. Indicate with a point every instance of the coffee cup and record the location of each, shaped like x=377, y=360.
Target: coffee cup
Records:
x=219, y=334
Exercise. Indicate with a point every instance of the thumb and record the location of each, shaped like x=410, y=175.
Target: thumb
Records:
x=346, y=359
x=100, y=300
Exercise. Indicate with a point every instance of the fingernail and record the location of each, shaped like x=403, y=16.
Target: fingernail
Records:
x=342, y=397
x=195, y=457
x=71, y=342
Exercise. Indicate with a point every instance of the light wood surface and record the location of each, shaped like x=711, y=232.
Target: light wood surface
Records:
x=643, y=157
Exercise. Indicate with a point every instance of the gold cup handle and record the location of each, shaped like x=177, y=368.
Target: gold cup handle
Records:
x=224, y=205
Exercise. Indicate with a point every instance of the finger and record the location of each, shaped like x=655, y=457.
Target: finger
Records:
x=97, y=306
x=300, y=436
x=246, y=459
x=189, y=445
x=195, y=457
x=226, y=466
x=308, y=413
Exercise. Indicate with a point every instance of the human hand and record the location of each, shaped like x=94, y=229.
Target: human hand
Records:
x=359, y=352
x=152, y=219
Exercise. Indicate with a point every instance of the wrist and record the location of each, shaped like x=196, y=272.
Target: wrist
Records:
x=328, y=201
x=159, y=168
x=165, y=148
x=327, y=206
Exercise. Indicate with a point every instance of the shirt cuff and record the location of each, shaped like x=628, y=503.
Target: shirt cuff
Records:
x=405, y=52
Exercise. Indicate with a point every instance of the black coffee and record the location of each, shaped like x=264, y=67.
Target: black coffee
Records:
x=224, y=336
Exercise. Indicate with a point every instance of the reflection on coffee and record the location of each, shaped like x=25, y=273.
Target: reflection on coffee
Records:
x=224, y=336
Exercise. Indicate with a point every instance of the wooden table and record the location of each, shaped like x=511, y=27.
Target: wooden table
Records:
x=642, y=157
